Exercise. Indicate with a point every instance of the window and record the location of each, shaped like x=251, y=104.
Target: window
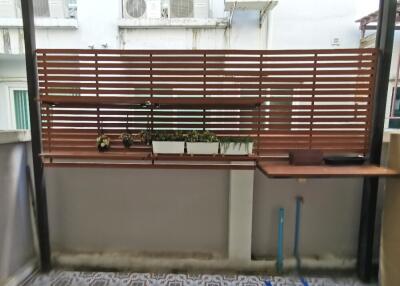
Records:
x=72, y=8
x=21, y=109
x=394, y=122
x=41, y=8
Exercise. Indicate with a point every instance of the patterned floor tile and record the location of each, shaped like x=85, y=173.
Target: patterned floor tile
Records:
x=73, y=278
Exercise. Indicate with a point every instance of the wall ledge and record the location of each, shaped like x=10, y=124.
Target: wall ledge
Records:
x=184, y=23
x=388, y=133
x=7, y=137
x=130, y=262
x=22, y=274
x=60, y=23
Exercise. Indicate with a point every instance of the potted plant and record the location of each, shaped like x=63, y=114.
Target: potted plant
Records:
x=202, y=143
x=103, y=143
x=236, y=145
x=145, y=137
x=167, y=142
x=127, y=139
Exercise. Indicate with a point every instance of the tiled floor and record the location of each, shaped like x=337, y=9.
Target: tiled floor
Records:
x=70, y=278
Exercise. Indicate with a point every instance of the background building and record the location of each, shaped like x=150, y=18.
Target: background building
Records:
x=168, y=24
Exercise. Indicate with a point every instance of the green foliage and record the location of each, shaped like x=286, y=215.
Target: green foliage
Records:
x=147, y=136
x=225, y=141
x=202, y=136
x=161, y=135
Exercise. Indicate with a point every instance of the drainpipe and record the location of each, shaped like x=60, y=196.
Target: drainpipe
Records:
x=269, y=30
x=231, y=15
x=296, y=254
x=279, y=258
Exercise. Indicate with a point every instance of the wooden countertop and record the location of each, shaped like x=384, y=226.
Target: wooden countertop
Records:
x=284, y=170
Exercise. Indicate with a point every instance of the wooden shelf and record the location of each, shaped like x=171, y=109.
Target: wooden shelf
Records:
x=98, y=155
x=205, y=166
x=145, y=156
x=146, y=160
x=152, y=101
x=284, y=170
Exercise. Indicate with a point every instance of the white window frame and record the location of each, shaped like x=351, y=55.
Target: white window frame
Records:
x=11, y=103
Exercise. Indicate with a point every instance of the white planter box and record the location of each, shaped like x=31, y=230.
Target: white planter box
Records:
x=202, y=148
x=237, y=148
x=168, y=147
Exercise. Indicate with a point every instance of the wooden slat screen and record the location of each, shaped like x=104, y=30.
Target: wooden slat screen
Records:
x=284, y=99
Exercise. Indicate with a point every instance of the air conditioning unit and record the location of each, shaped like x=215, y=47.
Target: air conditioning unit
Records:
x=8, y=8
x=181, y=8
x=200, y=8
x=134, y=8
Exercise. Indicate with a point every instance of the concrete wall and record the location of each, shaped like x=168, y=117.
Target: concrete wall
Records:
x=16, y=239
x=329, y=217
x=129, y=210
x=166, y=211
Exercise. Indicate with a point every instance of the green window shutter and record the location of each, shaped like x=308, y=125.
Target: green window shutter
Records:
x=21, y=109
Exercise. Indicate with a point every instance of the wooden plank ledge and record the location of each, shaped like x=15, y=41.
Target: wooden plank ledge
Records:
x=146, y=160
x=206, y=166
x=284, y=170
x=132, y=155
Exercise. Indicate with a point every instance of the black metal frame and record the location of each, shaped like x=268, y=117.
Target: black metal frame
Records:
x=385, y=34
x=33, y=91
x=384, y=42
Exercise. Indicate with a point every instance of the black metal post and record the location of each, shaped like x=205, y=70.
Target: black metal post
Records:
x=40, y=188
x=384, y=42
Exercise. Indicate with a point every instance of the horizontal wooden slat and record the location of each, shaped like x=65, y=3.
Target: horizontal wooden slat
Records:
x=214, y=52
x=283, y=99
x=204, y=57
x=147, y=78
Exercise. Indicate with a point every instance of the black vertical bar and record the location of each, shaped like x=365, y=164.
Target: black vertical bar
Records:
x=40, y=189
x=384, y=42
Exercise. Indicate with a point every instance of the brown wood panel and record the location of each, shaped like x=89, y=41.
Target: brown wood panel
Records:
x=284, y=99
x=290, y=171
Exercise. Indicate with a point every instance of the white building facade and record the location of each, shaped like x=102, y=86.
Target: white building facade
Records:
x=167, y=24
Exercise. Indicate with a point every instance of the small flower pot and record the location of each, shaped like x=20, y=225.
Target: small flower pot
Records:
x=127, y=139
x=237, y=148
x=103, y=143
x=202, y=148
x=168, y=147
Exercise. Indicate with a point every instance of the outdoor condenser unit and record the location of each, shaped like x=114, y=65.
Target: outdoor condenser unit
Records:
x=133, y=9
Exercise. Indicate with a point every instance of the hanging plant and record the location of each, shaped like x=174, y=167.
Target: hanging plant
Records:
x=103, y=143
x=127, y=139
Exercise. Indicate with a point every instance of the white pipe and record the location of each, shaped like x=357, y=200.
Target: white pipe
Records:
x=269, y=30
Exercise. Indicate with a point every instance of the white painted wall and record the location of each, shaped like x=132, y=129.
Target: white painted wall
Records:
x=16, y=239
x=313, y=24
